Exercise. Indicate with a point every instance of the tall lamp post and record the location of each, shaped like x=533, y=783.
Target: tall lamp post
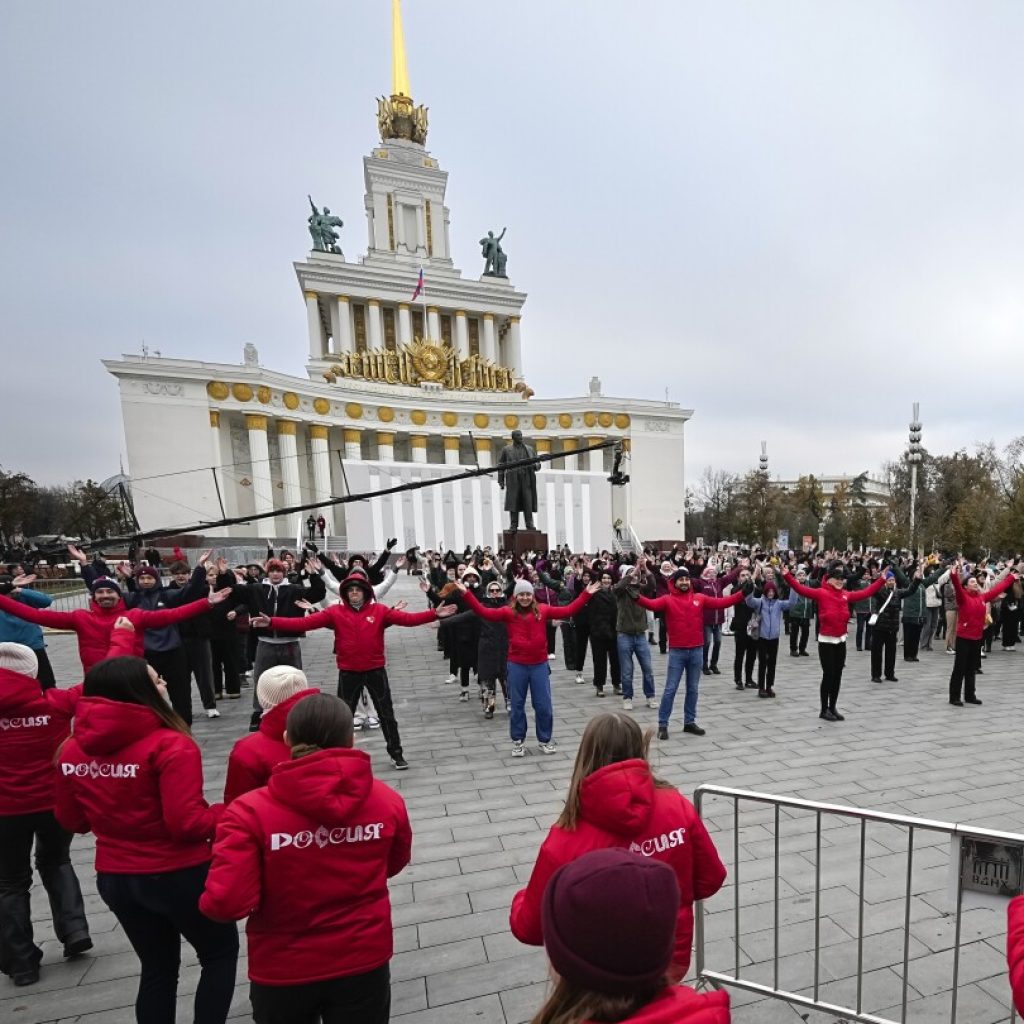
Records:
x=914, y=457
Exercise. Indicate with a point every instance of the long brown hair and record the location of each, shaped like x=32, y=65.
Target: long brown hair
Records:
x=607, y=739
x=127, y=680
x=569, y=1004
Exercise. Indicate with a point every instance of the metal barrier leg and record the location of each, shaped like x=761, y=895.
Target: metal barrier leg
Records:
x=736, y=879
x=906, y=922
x=817, y=905
x=860, y=917
x=775, y=977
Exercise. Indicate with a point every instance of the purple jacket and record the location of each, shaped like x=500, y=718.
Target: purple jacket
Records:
x=714, y=588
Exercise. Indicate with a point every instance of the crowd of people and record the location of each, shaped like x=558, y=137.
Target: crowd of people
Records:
x=306, y=838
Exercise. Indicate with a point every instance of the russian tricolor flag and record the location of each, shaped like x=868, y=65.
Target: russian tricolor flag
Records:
x=419, y=287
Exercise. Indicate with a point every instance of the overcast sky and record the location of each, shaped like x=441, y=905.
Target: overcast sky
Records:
x=798, y=217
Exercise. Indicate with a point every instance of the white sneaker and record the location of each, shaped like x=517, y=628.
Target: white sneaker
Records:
x=627, y=704
x=949, y=650
x=551, y=657
x=518, y=750
x=452, y=679
x=549, y=748
x=579, y=677
x=358, y=720
x=983, y=654
x=212, y=713
x=651, y=702
x=371, y=722
x=464, y=696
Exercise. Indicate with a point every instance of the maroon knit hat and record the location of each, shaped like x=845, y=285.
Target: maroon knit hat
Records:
x=609, y=921
x=147, y=570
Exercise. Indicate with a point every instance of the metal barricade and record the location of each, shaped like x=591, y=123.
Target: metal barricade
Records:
x=67, y=594
x=913, y=826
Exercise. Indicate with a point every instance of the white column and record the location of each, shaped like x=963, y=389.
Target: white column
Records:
x=289, y=461
x=316, y=333
x=483, y=451
x=569, y=445
x=595, y=459
x=433, y=324
x=343, y=333
x=385, y=446
x=353, y=449
x=215, y=437
x=262, y=486
x=404, y=324
x=513, y=348
x=375, y=327
x=461, y=334
x=451, y=451
x=321, y=471
x=488, y=343
x=418, y=447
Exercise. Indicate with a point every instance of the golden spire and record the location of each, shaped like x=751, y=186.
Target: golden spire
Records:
x=399, y=70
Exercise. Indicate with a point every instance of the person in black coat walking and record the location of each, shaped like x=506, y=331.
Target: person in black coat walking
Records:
x=746, y=645
x=603, y=636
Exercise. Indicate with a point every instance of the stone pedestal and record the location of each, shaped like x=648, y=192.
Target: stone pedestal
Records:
x=523, y=540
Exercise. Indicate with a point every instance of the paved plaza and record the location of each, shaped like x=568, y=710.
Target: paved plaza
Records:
x=478, y=818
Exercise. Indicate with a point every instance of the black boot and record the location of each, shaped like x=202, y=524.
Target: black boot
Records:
x=19, y=955
x=67, y=908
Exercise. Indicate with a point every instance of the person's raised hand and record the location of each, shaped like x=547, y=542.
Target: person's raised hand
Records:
x=123, y=569
x=400, y=606
x=304, y=605
x=424, y=585
x=221, y=565
x=217, y=596
x=123, y=622
x=313, y=563
x=445, y=610
x=205, y=557
x=260, y=621
x=594, y=587
x=401, y=562
x=24, y=580
x=77, y=554
x=392, y=541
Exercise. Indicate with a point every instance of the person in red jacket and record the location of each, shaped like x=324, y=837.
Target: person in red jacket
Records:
x=359, y=621
x=528, y=670
x=608, y=921
x=94, y=625
x=684, y=616
x=971, y=609
x=833, y=600
x=33, y=724
x=615, y=800
x=254, y=756
x=307, y=860
x=1015, y=950
x=132, y=775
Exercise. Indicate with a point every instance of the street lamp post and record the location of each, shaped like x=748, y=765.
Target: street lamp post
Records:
x=914, y=457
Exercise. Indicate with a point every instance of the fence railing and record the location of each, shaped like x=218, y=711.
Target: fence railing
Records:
x=912, y=825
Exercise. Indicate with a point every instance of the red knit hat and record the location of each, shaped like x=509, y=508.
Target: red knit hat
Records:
x=609, y=921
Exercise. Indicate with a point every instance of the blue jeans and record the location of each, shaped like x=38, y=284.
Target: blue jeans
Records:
x=680, y=659
x=537, y=680
x=712, y=646
x=629, y=644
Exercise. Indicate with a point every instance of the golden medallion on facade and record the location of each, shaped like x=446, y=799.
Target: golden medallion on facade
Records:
x=430, y=361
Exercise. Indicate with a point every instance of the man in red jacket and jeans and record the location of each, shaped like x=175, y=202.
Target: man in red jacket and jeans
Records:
x=684, y=615
x=359, y=622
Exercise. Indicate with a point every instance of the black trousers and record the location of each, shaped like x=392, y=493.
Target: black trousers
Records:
x=357, y=999
x=18, y=952
x=350, y=689
x=746, y=652
x=767, y=655
x=965, y=664
x=156, y=912
x=863, y=631
x=267, y=656
x=45, y=675
x=912, y=638
x=833, y=661
x=552, y=632
x=582, y=639
x=662, y=632
x=227, y=672
x=200, y=665
x=173, y=666
x=606, y=654
x=883, y=642
x=799, y=632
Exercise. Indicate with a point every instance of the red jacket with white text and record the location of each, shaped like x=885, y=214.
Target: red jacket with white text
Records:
x=970, y=608
x=358, y=635
x=94, y=625
x=307, y=859
x=253, y=757
x=620, y=806
x=833, y=604
x=684, y=613
x=527, y=633
x=678, y=1004
x=137, y=785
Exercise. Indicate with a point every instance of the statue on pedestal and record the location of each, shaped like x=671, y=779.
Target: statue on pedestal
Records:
x=518, y=483
x=494, y=256
x=321, y=229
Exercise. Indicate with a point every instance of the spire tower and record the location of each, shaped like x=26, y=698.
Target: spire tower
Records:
x=398, y=117
x=399, y=69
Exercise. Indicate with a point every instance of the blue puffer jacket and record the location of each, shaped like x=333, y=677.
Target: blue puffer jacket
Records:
x=769, y=610
x=17, y=631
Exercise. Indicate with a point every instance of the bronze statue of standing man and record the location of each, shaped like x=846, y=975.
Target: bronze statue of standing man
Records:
x=519, y=483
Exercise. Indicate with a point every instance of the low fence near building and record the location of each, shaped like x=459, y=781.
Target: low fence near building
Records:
x=988, y=865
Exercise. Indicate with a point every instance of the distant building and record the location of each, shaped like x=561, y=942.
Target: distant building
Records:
x=876, y=492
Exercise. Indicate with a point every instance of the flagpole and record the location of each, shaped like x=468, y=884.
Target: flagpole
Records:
x=423, y=293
